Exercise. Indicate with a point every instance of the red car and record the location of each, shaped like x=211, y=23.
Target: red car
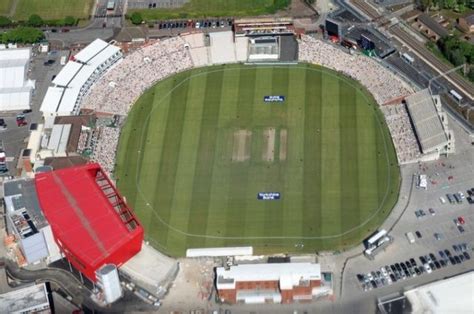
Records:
x=21, y=120
x=461, y=220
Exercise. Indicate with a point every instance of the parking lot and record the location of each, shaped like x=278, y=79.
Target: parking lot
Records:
x=15, y=137
x=448, y=175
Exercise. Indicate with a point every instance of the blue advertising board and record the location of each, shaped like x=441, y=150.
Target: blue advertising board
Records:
x=274, y=98
x=265, y=196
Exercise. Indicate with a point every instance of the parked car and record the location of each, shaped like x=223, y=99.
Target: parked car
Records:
x=21, y=120
x=432, y=211
x=461, y=220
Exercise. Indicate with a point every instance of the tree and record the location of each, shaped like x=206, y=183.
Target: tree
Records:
x=69, y=21
x=5, y=21
x=24, y=35
x=136, y=18
x=35, y=20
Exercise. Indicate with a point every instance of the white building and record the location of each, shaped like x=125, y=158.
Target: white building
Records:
x=431, y=125
x=452, y=295
x=76, y=78
x=15, y=88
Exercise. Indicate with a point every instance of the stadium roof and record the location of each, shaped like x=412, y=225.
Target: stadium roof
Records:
x=88, y=218
x=452, y=295
x=91, y=50
x=74, y=77
x=52, y=99
x=425, y=117
x=59, y=138
x=67, y=73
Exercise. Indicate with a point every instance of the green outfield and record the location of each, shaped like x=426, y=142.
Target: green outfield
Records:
x=215, y=8
x=198, y=147
x=53, y=9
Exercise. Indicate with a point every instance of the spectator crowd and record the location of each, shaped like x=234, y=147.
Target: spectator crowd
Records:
x=117, y=90
x=402, y=133
x=384, y=85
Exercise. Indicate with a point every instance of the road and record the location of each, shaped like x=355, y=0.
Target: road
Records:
x=457, y=80
x=437, y=64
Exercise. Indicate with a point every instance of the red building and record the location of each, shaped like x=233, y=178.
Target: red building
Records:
x=91, y=223
x=268, y=283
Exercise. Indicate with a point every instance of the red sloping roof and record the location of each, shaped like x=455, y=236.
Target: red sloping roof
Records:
x=80, y=215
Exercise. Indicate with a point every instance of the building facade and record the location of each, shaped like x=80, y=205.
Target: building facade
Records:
x=268, y=283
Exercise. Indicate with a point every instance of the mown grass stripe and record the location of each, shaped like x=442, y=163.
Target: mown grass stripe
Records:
x=216, y=221
x=330, y=184
x=349, y=175
x=238, y=194
x=164, y=192
x=313, y=153
x=197, y=223
x=181, y=206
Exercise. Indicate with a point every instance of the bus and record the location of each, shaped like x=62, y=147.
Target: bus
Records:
x=408, y=58
x=455, y=95
x=376, y=242
x=110, y=5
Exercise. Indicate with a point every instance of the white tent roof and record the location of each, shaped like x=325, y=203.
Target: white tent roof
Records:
x=15, y=54
x=15, y=89
x=14, y=99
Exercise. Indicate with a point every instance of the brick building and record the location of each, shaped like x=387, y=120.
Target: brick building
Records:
x=268, y=283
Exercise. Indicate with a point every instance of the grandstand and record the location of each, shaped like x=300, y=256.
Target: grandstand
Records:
x=430, y=124
x=263, y=26
x=76, y=78
x=91, y=223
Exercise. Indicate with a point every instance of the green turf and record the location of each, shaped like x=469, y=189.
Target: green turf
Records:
x=215, y=8
x=177, y=146
x=5, y=6
x=53, y=9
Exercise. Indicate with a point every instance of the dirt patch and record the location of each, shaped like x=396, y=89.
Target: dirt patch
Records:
x=241, y=145
x=283, y=144
x=268, y=151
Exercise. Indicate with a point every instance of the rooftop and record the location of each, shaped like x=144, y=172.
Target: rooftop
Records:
x=425, y=117
x=30, y=299
x=433, y=25
x=87, y=215
x=289, y=273
x=20, y=195
x=452, y=295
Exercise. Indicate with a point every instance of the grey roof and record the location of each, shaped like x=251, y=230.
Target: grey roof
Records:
x=27, y=198
x=428, y=125
x=433, y=25
x=25, y=300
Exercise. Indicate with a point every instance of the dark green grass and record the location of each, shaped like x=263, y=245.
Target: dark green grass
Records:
x=177, y=144
x=215, y=8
